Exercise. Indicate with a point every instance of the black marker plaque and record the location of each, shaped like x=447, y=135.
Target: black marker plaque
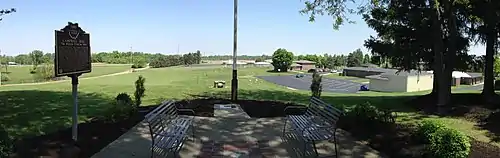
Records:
x=72, y=55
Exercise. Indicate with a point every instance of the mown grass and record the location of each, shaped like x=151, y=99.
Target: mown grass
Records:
x=21, y=73
x=34, y=110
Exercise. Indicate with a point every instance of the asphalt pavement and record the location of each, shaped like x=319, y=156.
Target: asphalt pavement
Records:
x=303, y=83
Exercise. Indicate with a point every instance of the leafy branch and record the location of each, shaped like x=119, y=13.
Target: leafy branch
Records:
x=6, y=11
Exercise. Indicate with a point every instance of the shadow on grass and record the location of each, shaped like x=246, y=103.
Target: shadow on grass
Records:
x=33, y=112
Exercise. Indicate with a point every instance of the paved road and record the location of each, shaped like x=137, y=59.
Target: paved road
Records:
x=329, y=85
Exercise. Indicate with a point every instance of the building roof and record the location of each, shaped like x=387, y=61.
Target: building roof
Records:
x=296, y=65
x=475, y=74
x=304, y=62
x=389, y=71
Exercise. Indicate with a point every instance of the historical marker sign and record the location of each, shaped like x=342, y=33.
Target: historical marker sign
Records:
x=72, y=55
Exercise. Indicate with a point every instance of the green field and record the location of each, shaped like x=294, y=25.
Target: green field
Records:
x=21, y=74
x=34, y=110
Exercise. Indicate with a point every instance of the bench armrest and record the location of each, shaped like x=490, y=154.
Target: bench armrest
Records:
x=291, y=107
x=186, y=110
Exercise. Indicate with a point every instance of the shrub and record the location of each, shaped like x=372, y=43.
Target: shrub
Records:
x=443, y=142
x=124, y=98
x=5, y=143
x=4, y=77
x=427, y=128
x=368, y=114
x=44, y=72
x=448, y=143
x=139, y=90
x=121, y=109
x=133, y=66
x=316, y=86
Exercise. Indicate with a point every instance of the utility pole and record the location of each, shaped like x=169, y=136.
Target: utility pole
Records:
x=234, y=81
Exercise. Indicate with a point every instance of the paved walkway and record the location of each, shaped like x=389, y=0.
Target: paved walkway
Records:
x=215, y=133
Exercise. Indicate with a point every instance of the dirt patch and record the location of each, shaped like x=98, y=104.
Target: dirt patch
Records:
x=92, y=137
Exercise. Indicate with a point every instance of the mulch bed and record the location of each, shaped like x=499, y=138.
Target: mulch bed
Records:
x=92, y=137
x=254, y=108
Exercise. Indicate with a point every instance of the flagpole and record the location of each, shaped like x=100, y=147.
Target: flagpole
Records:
x=234, y=81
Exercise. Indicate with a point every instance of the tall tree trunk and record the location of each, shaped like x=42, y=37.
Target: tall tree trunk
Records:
x=452, y=48
x=491, y=38
x=437, y=32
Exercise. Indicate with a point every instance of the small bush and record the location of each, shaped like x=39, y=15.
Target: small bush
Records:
x=427, y=128
x=4, y=77
x=316, y=86
x=139, y=90
x=121, y=109
x=5, y=143
x=133, y=66
x=44, y=72
x=443, y=142
x=368, y=114
x=449, y=143
x=124, y=98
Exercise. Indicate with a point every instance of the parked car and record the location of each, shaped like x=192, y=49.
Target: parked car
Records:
x=299, y=75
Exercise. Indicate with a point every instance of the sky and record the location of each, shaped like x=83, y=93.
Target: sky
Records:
x=172, y=26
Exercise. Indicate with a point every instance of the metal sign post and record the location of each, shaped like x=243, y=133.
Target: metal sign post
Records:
x=72, y=58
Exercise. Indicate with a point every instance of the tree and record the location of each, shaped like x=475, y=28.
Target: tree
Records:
x=366, y=59
x=485, y=26
x=6, y=12
x=36, y=58
x=355, y=58
x=282, y=60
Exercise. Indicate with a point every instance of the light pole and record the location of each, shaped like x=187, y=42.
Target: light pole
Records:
x=234, y=81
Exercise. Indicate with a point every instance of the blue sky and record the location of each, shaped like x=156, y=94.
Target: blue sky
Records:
x=163, y=26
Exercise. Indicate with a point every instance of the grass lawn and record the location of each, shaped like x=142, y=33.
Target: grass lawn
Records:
x=350, y=78
x=21, y=74
x=34, y=110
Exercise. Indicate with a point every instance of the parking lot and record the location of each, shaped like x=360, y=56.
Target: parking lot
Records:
x=303, y=83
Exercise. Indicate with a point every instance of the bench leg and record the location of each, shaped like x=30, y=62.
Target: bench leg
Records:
x=284, y=127
x=304, y=149
x=192, y=130
x=335, y=142
x=315, y=150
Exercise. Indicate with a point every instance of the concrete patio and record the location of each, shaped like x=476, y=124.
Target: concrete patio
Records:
x=265, y=132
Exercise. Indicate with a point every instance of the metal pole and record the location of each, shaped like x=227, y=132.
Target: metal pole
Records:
x=234, y=81
x=74, y=83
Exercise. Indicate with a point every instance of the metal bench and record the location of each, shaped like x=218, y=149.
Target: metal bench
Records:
x=168, y=129
x=316, y=124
